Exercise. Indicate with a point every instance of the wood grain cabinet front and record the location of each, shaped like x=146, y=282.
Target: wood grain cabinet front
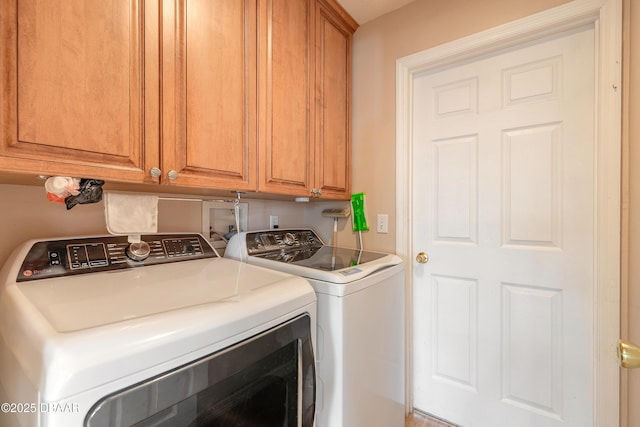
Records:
x=305, y=98
x=334, y=34
x=72, y=88
x=249, y=95
x=209, y=91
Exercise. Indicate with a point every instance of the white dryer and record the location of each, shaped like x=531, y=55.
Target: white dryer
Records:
x=360, y=339
x=96, y=333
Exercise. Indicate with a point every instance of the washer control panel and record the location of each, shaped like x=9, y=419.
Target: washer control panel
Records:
x=261, y=242
x=56, y=258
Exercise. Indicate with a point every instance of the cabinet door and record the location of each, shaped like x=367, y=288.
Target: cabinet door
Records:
x=286, y=96
x=209, y=93
x=333, y=111
x=71, y=88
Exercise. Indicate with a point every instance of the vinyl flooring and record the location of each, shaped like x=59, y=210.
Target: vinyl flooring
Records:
x=416, y=419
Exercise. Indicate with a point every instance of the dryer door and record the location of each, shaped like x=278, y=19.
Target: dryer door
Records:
x=267, y=380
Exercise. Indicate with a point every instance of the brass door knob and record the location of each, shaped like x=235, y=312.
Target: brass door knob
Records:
x=628, y=354
x=422, y=258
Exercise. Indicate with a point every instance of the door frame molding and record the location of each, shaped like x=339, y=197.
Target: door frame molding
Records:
x=606, y=18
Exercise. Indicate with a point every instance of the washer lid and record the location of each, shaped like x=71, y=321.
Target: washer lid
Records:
x=302, y=252
x=328, y=263
x=327, y=258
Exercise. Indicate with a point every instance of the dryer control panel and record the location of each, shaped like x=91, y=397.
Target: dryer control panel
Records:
x=87, y=255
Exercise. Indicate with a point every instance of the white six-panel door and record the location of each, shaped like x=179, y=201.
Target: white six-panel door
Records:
x=503, y=204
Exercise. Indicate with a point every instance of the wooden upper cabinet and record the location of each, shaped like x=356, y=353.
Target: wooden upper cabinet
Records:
x=209, y=74
x=287, y=100
x=333, y=109
x=305, y=98
x=71, y=88
x=249, y=95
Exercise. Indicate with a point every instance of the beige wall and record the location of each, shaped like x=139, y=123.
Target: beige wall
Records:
x=27, y=214
x=427, y=23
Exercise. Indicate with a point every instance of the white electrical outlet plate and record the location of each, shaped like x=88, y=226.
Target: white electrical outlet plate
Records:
x=273, y=221
x=383, y=223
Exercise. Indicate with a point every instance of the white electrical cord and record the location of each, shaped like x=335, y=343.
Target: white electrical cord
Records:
x=236, y=209
x=236, y=212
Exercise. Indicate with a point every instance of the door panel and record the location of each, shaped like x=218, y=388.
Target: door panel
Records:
x=532, y=194
x=504, y=206
x=531, y=319
x=456, y=189
x=455, y=303
x=65, y=64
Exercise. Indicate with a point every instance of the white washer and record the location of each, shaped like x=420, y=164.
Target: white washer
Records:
x=90, y=337
x=360, y=342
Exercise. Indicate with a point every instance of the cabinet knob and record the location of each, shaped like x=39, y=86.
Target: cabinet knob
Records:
x=155, y=172
x=172, y=175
